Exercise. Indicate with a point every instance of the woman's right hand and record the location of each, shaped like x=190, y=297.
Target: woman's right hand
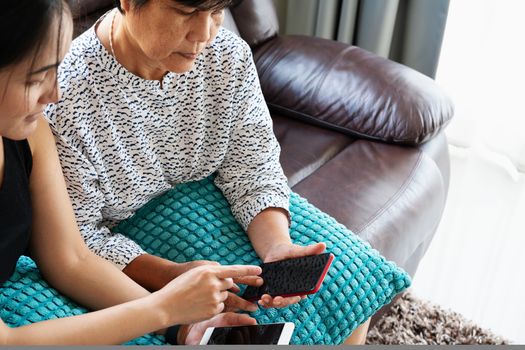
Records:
x=200, y=293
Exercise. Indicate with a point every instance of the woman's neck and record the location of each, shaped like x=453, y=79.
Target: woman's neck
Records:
x=125, y=50
x=2, y=161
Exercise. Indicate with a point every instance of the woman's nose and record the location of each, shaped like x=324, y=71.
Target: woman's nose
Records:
x=200, y=29
x=51, y=94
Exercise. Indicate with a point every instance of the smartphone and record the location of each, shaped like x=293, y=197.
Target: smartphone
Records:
x=263, y=334
x=291, y=277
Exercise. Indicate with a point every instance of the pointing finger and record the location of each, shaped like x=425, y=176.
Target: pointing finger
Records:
x=235, y=271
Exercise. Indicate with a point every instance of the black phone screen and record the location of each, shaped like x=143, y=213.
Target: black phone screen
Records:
x=288, y=277
x=258, y=334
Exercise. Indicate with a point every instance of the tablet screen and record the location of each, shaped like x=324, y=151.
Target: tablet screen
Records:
x=259, y=334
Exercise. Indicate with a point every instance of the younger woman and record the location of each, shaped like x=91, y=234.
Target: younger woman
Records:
x=36, y=216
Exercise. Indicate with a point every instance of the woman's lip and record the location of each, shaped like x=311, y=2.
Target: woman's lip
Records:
x=35, y=115
x=190, y=56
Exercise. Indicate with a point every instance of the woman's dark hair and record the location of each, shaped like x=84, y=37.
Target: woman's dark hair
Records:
x=25, y=26
x=204, y=5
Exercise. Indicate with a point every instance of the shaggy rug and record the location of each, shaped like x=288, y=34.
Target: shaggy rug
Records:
x=414, y=321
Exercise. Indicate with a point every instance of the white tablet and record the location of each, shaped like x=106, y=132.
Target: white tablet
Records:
x=263, y=334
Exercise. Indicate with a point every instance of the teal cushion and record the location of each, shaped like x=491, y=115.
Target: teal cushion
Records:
x=26, y=298
x=193, y=221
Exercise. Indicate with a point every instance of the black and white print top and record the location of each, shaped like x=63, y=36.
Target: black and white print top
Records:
x=123, y=140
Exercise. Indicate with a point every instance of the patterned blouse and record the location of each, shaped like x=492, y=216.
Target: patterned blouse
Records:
x=124, y=140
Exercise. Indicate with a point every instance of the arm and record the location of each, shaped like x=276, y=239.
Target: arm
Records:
x=56, y=244
x=250, y=176
x=124, y=322
x=70, y=267
x=109, y=326
x=64, y=260
x=88, y=201
x=252, y=179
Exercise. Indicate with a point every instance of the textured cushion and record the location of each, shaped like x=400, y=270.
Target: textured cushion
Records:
x=194, y=221
x=25, y=298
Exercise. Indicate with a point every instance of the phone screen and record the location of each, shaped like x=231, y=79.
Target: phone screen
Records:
x=258, y=334
x=291, y=277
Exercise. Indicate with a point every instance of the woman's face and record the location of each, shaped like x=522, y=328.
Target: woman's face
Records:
x=27, y=87
x=172, y=35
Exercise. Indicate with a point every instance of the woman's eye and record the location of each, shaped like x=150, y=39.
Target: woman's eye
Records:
x=32, y=83
x=185, y=13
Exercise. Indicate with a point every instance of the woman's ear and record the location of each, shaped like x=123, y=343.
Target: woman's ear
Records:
x=125, y=5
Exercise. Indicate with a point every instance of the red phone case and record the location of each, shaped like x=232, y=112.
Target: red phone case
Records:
x=319, y=282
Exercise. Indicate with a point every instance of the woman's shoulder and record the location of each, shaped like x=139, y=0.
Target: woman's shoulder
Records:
x=83, y=54
x=229, y=45
x=76, y=77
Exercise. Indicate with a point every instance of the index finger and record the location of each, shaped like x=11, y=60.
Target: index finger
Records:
x=234, y=271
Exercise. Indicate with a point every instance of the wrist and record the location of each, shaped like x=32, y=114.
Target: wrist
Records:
x=164, y=310
x=268, y=230
x=183, y=334
x=268, y=254
x=150, y=271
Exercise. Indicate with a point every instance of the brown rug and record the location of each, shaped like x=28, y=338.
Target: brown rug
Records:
x=415, y=321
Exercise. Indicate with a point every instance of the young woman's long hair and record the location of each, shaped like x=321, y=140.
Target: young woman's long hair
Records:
x=25, y=25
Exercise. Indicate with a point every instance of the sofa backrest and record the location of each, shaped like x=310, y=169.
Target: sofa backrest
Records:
x=254, y=20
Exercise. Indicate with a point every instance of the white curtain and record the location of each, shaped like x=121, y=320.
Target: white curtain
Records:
x=476, y=263
x=482, y=67
x=406, y=31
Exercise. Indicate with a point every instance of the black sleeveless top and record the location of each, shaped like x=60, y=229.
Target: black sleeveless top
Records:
x=15, y=205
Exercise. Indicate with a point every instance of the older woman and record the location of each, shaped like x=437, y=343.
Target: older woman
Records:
x=36, y=216
x=157, y=93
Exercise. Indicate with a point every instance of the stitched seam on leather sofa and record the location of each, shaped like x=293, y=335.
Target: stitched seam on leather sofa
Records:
x=394, y=198
x=314, y=121
x=322, y=162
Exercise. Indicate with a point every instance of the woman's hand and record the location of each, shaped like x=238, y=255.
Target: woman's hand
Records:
x=236, y=303
x=200, y=293
x=192, y=334
x=288, y=251
x=180, y=268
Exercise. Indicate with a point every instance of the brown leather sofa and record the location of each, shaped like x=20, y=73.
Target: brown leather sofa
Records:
x=361, y=136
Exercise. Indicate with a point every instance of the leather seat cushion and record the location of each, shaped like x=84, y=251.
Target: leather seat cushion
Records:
x=378, y=191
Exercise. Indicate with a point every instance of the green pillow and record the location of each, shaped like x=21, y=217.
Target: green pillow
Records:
x=26, y=298
x=193, y=221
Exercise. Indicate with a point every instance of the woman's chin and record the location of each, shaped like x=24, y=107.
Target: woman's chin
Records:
x=22, y=132
x=181, y=69
x=180, y=66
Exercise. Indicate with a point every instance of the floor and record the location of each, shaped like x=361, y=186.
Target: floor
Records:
x=475, y=263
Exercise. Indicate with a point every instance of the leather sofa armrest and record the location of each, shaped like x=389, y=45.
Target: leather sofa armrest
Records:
x=350, y=90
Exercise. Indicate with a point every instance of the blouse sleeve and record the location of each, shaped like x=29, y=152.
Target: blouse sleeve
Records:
x=251, y=176
x=88, y=202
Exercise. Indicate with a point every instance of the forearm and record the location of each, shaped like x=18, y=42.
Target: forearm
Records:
x=114, y=325
x=269, y=229
x=150, y=271
x=94, y=282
